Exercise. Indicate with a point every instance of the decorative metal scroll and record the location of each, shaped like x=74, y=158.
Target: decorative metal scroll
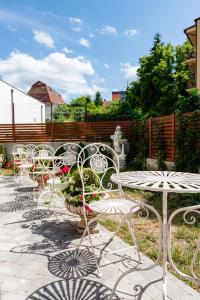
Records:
x=102, y=161
x=66, y=155
x=142, y=211
x=190, y=218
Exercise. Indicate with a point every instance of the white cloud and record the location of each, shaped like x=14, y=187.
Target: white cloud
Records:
x=84, y=42
x=11, y=28
x=129, y=71
x=43, y=38
x=131, y=32
x=67, y=50
x=77, y=23
x=108, y=30
x=106, y=66
x=70, y=76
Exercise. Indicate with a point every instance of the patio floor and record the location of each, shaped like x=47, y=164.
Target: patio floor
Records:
x=38, y=258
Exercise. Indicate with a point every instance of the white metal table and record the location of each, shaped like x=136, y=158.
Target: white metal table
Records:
x=166, y=182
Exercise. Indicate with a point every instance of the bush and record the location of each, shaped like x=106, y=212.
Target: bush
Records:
x=90, y=179
x=3, y=151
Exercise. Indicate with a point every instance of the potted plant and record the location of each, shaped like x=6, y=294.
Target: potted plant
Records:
x=72, y=190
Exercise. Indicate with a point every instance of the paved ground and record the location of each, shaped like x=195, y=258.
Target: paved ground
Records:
x=39, y=260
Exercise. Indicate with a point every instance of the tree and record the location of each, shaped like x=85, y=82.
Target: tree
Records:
x=162, y=78
x=98, y=100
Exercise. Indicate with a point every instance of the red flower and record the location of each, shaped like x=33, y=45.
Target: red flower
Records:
x=94, y=195
x=45, y=178
x=81, y=197
x=17, y=162
x=65, y=169
x=88, y=208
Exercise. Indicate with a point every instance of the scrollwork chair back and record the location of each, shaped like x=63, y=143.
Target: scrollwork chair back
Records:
x=66, y=155
x=102, y=161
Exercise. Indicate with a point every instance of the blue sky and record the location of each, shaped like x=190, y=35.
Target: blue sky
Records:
x=81, y=46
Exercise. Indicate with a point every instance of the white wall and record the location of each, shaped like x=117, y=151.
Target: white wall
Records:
x=27, y=109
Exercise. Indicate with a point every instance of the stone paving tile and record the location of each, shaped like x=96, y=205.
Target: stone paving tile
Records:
x=27, y=246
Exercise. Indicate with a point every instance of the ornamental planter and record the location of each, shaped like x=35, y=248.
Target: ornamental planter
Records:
x=78, y=210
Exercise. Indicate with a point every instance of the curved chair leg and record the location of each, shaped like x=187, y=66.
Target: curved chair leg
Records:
x=132, y=232
x=93, y=251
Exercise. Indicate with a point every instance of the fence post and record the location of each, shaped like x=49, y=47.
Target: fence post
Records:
x=13, y=115
x=150, y=138
x=173, y=121
x=52, y=131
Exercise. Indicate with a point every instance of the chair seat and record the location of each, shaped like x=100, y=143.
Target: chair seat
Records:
x=113, y=206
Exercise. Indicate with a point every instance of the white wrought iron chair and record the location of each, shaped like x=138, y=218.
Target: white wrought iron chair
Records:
x=20, y=160
x=103, y=161
x=43, y=169
x=64, y=164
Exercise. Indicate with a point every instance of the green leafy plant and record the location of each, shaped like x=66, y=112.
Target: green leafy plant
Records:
x=186, y=142
x=138, y=147
x=72, y=186
x=160, y=147
x=3, y=152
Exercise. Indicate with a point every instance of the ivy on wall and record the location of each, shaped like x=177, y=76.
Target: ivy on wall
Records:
x=187, y=143
x=138, y=146
x=160, y=146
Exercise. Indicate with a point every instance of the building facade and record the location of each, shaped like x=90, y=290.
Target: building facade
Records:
x=118, y=95
x=193, y=34
x=16, y=106
x=46, y=95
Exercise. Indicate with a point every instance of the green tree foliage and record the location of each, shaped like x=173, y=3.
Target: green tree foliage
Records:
x=98, y=100
x=76, y=110
x=162, y=78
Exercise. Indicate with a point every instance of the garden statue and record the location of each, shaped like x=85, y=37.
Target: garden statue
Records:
x=118, y=145
x=116, y=137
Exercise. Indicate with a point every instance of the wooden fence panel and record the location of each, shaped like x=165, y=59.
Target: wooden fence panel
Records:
x=94, y=131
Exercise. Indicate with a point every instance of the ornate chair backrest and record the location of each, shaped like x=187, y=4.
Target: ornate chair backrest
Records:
x=96, y=168
x=43, y=157
x=30, y=152
x=19, y=153
x=66, y=157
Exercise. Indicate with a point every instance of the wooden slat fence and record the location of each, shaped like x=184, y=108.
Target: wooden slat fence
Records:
x=93, y=131
x=58, y=132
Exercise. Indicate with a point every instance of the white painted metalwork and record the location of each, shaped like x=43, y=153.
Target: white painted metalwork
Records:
x=65, y=156
x=103, y=161
x=20, y=159
x=165, y=182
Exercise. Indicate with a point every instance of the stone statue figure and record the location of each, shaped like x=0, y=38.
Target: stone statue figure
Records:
x=116, y=137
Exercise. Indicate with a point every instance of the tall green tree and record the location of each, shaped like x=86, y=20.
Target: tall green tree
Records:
x=162, y=78
x=98, y=100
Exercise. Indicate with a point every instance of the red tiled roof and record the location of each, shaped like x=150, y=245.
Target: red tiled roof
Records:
x=45, y=94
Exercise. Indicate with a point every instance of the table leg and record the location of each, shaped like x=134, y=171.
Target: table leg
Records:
x=165, y=245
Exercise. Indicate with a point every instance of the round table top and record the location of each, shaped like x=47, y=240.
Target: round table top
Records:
x=159, y=181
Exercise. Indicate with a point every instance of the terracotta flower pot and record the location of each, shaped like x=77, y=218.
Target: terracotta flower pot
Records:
x=78, y=210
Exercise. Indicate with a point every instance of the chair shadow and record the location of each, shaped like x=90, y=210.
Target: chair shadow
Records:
x=21, y=202
x=59, y=245
x=74, y=289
